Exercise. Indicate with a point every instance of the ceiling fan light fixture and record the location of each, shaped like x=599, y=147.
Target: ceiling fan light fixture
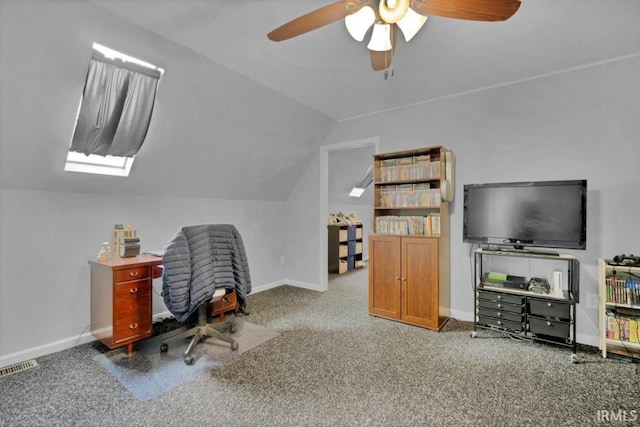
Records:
x=358, y=23
x=411, y=23
x=392, y=11
x=380, y=38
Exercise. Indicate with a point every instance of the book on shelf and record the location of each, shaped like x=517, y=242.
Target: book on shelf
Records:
x=408, y=225
x=623, y=291
x=407, y=196
x=622, y=326
x=407, y=170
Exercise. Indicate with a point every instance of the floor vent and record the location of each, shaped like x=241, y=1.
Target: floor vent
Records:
x=18, y=367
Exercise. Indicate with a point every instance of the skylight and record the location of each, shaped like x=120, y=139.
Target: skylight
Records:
x=98, y=145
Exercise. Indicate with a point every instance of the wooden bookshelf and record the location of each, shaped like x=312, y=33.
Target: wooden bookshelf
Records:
x=409, y=246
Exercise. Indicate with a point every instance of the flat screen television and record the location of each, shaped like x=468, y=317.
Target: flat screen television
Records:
x=545, y=214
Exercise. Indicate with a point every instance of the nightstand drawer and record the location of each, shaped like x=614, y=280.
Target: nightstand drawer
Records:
x=132, y=307
x=128, y=274
x=226, y=304
x=132, y=289
x=132, y=327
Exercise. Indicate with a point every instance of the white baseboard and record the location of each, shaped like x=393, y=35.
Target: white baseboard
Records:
x=580, y=338
x=86, y=337
x=43, y=350
x=464, y=316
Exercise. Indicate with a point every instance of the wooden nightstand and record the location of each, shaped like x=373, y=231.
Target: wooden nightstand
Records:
x=121, y=311
x=219, y=308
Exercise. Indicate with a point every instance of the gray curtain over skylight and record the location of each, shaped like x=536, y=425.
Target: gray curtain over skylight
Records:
x=116, y=108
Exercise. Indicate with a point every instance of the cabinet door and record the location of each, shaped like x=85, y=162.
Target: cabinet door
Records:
x=420, y=290
x=384, y=276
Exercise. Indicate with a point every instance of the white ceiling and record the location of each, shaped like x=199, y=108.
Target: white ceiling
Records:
x=329, y=72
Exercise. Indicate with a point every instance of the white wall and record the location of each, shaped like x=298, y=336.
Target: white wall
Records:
x=300, y=224
x=579, y=124
x=48, y=238
x=220, y=148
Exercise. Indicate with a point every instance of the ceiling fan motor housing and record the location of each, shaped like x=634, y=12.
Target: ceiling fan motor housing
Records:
x=391, y=11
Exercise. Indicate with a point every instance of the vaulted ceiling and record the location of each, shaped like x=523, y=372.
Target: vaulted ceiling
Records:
x=239, y=116
x=330, y=72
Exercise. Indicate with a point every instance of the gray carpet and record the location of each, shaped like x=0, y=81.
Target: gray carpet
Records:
x=334, y=365
x=147, y=373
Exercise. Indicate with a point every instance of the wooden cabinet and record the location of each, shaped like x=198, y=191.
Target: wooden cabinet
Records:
x=409, y=249
x=344, y=247
x=404, y=281
x=121, y=300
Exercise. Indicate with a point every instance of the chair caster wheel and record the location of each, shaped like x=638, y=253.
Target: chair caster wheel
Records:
x=574, y=359
x=232, y=329
x=234, y=346
x=473, y=334
x=164, y=348
x=188, y=360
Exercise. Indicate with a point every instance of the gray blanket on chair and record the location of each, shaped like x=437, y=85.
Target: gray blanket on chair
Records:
x=199, y=260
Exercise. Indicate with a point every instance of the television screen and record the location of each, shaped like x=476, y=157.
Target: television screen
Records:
x=550, y=214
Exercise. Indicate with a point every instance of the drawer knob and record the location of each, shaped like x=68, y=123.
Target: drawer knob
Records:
x=499, y=314
x=133, y=273
x=499, y=296
x=548, y=304
x=499, y=305
x=133, y=290
x=548, y=323
x=133, y=326
x=499, y=322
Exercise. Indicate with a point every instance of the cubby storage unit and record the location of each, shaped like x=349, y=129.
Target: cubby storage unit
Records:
x=619, y=310
x=409, y=248
x=344, y=247
x=545, y=317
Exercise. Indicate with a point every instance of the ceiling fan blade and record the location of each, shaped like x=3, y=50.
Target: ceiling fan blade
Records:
x=381, y=60
x=473, y=10
x=309, y=22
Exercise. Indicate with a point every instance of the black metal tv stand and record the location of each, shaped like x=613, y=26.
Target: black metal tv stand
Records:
x=543, y=317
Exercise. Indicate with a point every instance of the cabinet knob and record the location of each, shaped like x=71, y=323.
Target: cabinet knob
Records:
x=499, y=305
x=499, y=314
x=548, y=304
x=397, y=277
x=133, y=273
x=133, y=290
x=404, y=279
x=548, y=323
x=499, y=296
x=133, y=326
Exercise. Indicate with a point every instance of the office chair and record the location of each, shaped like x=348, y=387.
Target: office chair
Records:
x=201, y=264
x=203, y=329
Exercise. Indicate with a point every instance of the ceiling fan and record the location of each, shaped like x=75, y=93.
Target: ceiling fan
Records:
x=386, y=16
